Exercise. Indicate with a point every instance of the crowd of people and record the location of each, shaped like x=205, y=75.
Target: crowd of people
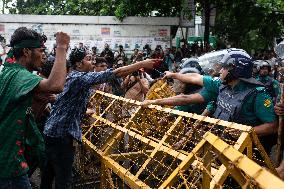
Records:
x=40, y=114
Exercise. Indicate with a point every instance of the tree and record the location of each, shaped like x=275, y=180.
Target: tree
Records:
x=248, y=24
x=5, y=5
x=63, y=7
x=118, y=8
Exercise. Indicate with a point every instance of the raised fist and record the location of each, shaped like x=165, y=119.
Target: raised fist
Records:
x=62, y=40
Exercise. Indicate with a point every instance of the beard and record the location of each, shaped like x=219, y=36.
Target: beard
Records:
x=33, y=64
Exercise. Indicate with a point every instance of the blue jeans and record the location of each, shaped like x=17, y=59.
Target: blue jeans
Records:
x=21, y=182
x=58, y=164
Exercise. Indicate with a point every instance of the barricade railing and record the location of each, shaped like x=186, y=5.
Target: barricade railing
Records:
x=126, y=144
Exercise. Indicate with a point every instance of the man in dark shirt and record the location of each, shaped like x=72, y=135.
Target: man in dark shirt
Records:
x=108, y=55
x=63, y=126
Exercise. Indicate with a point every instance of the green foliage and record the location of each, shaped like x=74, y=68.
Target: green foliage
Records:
x=276, y=6
x=249, y=24
x=118, y=8
x=64, y=7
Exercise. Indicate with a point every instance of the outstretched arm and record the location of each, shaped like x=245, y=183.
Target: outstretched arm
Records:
x=126, y=70
x=192, y=78
x=176, y=100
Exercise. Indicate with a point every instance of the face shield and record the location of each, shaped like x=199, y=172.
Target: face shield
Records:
x=279, y=50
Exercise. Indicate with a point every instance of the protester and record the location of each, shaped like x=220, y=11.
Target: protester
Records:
x=120, y=54
x=94, y=52
x=139, y=57
x=134, y=55
x=147, y=51
x=116, y=83
x=108, y=55
x=100, y=66
x=17, y=88
x=136, y=86
x=62, y=129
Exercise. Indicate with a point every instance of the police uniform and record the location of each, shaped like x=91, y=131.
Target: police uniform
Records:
x=272, y=85
x=190, y=89
x=245, y=103
x=192, y=108
x=211, y=107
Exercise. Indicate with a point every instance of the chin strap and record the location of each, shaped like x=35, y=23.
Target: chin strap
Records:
x=229, y=77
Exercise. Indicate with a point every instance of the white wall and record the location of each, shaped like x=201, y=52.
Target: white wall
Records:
x=133, y=32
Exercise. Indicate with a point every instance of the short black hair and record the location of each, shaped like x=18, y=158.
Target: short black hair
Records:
x=100, y=60
x=76, y=55
x=48, y=65
x=23, y=33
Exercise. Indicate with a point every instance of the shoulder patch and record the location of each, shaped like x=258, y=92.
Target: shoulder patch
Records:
x=267, y=103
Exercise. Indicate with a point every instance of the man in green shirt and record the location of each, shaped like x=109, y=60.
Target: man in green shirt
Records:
x=239, y=98
x=19, y=135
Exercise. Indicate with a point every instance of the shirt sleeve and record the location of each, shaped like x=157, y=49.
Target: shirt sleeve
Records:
x=208, y=96
x=182, y=108
x=93, y=78
x=211, y=107
x=276, y=87
x=27, y=81
x=211, y=84
x=263, y=107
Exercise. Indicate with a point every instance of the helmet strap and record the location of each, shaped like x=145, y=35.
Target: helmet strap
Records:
x=229, y=77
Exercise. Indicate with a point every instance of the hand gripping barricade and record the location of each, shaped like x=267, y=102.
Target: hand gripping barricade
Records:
x=215, y=154
x=160, y=89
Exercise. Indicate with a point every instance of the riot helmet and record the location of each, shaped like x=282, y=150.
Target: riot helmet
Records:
x=255, y=70
x=180, y=87
x=191, y=63
x=239, y=65
x=264, y=64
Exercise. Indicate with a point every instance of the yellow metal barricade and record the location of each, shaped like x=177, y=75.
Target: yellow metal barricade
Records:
x=213, y=154
x=160, y=89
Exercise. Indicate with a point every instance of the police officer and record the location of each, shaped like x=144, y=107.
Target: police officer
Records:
x=272, y=85
x=240, y=98
x=255, y=71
